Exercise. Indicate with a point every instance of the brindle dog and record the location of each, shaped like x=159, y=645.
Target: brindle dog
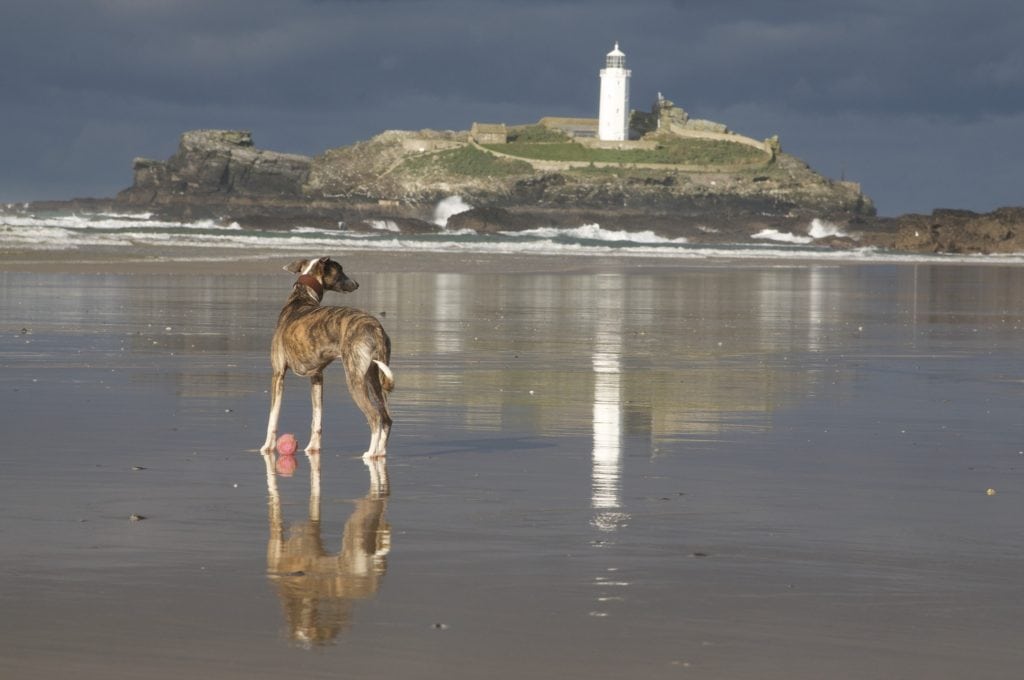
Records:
x=309, y=337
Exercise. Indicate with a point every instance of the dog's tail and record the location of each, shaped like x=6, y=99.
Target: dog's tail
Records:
x=384, y=374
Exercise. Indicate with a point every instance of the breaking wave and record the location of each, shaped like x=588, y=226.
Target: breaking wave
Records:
x=384, y=225
x=453, y=205
x=816, y=230
x=823, y=229
x=594, y=232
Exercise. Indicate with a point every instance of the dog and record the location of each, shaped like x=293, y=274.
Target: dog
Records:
x=309, y=336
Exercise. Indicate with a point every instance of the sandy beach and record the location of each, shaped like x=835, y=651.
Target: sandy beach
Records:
x=600, y=468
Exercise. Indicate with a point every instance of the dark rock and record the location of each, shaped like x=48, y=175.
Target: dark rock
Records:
x=492, y=219
x=536, y=189
x=222, y=162
x=952, y=231
x=404, y=225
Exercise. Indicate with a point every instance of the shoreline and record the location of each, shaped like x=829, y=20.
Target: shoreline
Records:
x=245, y=261
x=235, y=260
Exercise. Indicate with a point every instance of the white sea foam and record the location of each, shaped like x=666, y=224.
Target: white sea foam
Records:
x=822, y=229
x=384, y=225
x=37, y=238
x=817, y=229
x=311, y=230
x=109, y=222
x=594, y=232
x=453, y=205
x=781, y=237
x=127, y=216
x=71, y=232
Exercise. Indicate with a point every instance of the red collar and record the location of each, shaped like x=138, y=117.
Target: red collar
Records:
x=313, y=284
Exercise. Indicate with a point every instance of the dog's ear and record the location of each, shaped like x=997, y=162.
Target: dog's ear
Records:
x=296, y=267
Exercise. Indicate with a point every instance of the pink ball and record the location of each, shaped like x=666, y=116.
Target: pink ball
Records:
x=287, y=445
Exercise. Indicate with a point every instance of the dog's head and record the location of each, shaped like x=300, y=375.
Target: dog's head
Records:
x=325, y=270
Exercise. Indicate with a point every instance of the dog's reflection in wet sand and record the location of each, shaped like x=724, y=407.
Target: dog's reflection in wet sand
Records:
x=317, y=587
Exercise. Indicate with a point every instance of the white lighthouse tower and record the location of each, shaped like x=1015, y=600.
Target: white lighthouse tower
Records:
x=613, y=116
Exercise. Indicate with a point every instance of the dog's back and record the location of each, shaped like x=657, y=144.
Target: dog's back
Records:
x=309, y=337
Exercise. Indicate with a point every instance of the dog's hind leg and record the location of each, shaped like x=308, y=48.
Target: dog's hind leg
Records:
x=382, y=386
x=276, y=391
x=372, y=448
x=379, y=381
x=361, y=378
x=316, y=395
x=379, y=443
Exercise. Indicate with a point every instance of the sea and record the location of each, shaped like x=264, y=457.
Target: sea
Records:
x=24, y=230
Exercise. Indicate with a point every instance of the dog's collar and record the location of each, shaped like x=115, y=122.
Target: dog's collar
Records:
x=313, y=284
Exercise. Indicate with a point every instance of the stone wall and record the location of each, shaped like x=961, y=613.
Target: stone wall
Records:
x=683, y=131
x=581, y=128
x=420, y=144
x=489, y=133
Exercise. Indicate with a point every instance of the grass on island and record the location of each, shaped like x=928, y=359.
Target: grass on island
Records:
x=539, y=143
x=467, y=161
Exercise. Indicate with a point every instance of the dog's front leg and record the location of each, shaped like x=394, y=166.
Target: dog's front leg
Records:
x=276, y=390
x=316, y=395
x=314, y=486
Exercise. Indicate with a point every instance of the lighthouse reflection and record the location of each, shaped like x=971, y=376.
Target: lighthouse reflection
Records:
x=318, y=587
x=606, y=466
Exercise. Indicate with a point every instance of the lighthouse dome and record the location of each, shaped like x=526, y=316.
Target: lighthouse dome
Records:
x=616, y=58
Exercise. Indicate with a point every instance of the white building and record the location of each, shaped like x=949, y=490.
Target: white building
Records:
x=613, y=115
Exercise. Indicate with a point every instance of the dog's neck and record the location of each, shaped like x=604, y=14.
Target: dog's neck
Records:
x=313, y=284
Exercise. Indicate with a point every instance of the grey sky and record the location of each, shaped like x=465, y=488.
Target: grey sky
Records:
x=922, y=102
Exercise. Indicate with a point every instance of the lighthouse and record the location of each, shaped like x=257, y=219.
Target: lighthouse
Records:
x=613, y=115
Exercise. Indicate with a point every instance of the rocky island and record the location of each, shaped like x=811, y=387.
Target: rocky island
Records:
x=697, y=183
x=678, y=178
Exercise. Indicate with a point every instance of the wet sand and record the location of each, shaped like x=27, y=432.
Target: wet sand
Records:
x=622, y=469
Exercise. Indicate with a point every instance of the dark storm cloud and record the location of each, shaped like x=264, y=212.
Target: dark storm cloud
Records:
x=882, y=92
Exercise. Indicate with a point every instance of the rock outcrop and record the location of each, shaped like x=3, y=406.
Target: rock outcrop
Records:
x=218, y=174
x=952, y=231
x=221, y=162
